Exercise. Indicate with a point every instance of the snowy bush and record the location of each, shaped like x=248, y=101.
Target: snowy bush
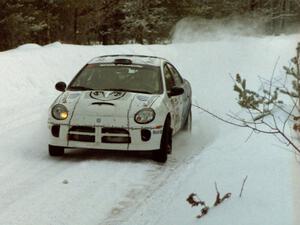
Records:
x=267, y=112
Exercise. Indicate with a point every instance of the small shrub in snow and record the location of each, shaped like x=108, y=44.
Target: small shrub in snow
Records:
x=194, y=200
x=219, y=200
x=267, y=113
x=264, y=112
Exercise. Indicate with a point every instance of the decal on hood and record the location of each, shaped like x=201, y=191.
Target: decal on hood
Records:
x=142, y=98
x=107, y=95
x=75, y=95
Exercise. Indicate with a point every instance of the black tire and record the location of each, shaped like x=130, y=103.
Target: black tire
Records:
x=161, y=155
x=188, y=122
x=56, y=150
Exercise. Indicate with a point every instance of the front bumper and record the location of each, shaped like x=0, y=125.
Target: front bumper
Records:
x=105, y=138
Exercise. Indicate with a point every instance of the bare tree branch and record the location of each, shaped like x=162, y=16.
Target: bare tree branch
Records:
x=217, y=117
x=244, y=181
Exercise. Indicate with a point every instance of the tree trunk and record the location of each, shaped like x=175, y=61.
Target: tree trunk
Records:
x=48, y=28
x=282, y=14
x=75, y=25
x=139, y=37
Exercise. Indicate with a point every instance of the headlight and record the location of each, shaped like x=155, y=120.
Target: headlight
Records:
x=59, y=112
x=144, y=116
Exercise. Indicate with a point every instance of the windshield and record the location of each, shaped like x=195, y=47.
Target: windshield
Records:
x=134, y=78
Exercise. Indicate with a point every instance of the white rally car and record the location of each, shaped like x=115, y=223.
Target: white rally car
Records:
x=121, y=102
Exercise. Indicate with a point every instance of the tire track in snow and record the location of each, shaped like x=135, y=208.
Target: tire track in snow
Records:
x=139, y=195
x=155, y=178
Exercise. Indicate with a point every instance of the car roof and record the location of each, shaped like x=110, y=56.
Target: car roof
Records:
x=135, y=59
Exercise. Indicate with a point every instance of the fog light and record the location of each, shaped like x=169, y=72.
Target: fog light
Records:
x=55, y=130
x=145, y=135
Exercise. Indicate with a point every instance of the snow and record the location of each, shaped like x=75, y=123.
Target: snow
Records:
x=28, y=46
x=90, y=187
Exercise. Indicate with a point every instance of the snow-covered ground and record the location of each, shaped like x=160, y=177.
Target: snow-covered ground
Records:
x=90, y=187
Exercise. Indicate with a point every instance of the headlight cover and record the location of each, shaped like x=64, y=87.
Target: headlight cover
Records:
x=59, y=112
x=144, y=116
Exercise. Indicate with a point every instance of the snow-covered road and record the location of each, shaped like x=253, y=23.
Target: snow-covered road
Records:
x=91, y=187
x=84, y=186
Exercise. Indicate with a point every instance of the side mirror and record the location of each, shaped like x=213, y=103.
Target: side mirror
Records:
x=61, y=86
x=175, y=91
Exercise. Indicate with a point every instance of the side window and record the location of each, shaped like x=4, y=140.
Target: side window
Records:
x=177, y=78
x=168, y=78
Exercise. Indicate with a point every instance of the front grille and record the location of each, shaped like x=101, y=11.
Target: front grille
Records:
x=84, y=129
x=115, y=135
x=83, y=138
x=116, y=140
x=113, y=130
x=108, y=134
x=82, y=133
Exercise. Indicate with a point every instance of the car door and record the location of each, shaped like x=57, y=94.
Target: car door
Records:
x=186, y=96
x=176, y=101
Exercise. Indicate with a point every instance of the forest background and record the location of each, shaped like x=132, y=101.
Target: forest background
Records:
x=130, y=21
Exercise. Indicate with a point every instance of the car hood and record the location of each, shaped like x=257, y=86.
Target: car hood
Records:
x=107, y=108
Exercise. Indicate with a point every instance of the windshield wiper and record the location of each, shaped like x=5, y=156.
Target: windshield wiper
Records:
x=80, y=88
x=127, y=90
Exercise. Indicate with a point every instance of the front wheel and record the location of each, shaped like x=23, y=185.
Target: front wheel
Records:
x=161, y=155
x=56, y=150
